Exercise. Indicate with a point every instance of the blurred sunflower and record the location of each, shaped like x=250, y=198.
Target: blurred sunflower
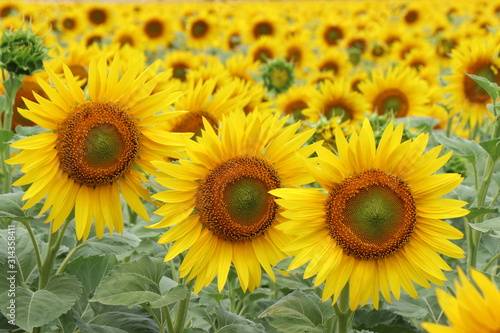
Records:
x=332, y=30
x=473, y=309
x=71, y=24
x=297, y=51
x=334, y=60
x=336, y=99
x=242, y=66
x=155, y=29
x=181, y=62
x=398, y=91
x=202, y=31
x=99, y=14
x=201, y=101
x=265, y=48
x=218, y=203
x=468, y=99
x=95, y=146
x=295, y=100
x=264, y=23
x=375, y=225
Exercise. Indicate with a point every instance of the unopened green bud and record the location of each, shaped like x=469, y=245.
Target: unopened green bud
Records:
x=277, y=75
x=22, y=52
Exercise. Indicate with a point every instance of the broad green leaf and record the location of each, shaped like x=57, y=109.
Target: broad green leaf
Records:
x=469, y=149
x=35, y=309
x=490, y=87
x=10, y=207
x=299, y=312
x=132, y=283
x=115, y=319
x=492, y=147
x=24, y=253
x=496, y=178
x=406, y=309
x=480, y=211
x=116, y=244
x=230, y=322
x=90, y=271
x=174, y=295
x=381, y=321
x=491, y=227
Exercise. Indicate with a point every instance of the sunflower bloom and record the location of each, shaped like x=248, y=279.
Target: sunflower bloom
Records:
x=376, y=223
x=470, y=311
x=95, y=145
x=218, y=203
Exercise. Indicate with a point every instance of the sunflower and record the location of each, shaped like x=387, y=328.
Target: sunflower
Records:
x=71, y=23
x=242, y=66
x=99, y=14
x=156, y=29
x=333, y=30
x=94, y=146
x=468, y=99
x=335, y=99
x=202, y=30
x=473, y=309
x=334, y=60
x=295, y=100
x=398, y=90
x=201, y=101
x=265, y=48
x=375, y=223
x=297, y=50
x=181, y=62
x=264, y=23
x=218, y=203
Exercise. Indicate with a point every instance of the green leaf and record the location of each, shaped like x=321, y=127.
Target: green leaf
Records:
x=381, y=321
x=90, y=271
x=10, y=207
x=480, y=211
x=469, y=149
x=24, y=254
x=35, y=309
x=406, y=309
x=492, y=147
x=132, y=283
x=229, y=322
x=299, y=312
x=175, y=294
x=490, y=87
x=117, y=244
x=491, y=227
x=115, y=319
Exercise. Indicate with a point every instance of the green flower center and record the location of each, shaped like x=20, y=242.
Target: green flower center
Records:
x=199, y=29
x=233, y=200
x=392, y=101
x=98, y=143
x=338, y=111
x=246, y=200
x=371, y=214
x=180, y=71
x=332, y=35
x=103, y=145
x=153, y=28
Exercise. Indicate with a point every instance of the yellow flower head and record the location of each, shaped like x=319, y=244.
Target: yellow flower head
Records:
x=375, y=225
x=95, y=145
x=473, y=309
x=218, y=201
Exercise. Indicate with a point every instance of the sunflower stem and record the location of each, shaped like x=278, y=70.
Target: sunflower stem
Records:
x=11, y=86
x=36, y=248
x=343, y=312
x=491, y=262
x=68, y=258
x=50, y=258
x=180, y=320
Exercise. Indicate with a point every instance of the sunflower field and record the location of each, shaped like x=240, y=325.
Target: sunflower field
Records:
x=250, y=166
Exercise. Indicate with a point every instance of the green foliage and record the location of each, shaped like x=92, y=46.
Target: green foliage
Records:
x=299, y=312
x=468, y=149
x=38, y=308
x=491, y=227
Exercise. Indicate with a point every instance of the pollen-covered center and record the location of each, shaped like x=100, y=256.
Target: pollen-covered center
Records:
x=98, y=143
x=233, y=200
x=371, y=214
x=392, y=101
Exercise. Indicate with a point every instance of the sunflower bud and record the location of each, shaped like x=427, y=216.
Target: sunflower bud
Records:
x=22, y=52
x=277, y=75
